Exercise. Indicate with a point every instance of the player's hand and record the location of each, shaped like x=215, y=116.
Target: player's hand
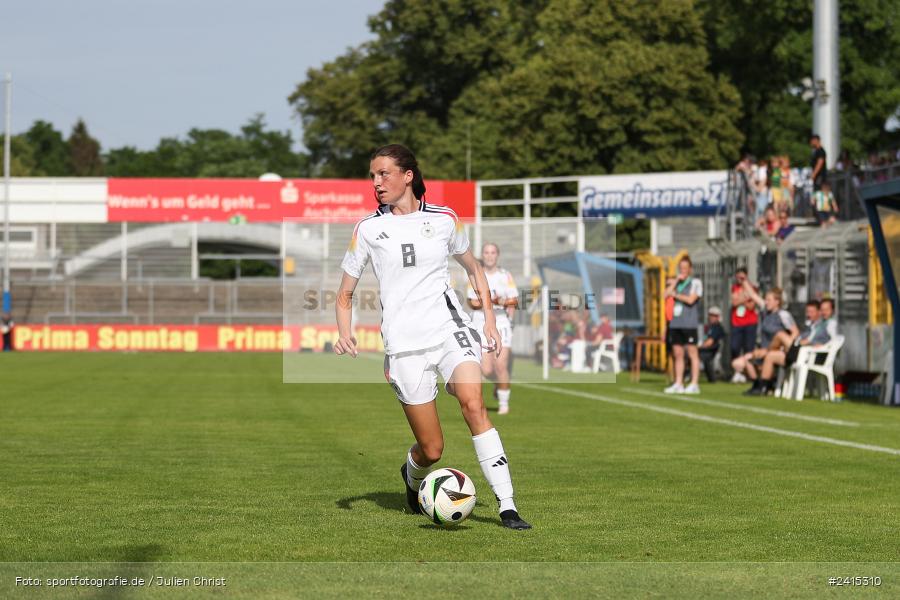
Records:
x=497, y=300
x=492, y=336
x=346, y=345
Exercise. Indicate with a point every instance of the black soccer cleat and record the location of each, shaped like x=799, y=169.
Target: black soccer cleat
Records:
x=512, y=520
x=412, y=496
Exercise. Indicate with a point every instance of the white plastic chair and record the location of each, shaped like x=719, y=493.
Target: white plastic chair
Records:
x=609, y=349
x=795, y=383
x=578, y=356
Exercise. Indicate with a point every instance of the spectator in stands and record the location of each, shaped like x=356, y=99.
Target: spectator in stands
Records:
x=743, y=320
x=571, y=329
x=844, y=162
x=769, y=223
x=603, y=330
x=745, y=168
x=774, y=319
x=827, y=309
x=775, y=181
x=787, y=186
x=788, y=347
x=6, y=329
x=598, y=333
x=761, y=176
x=713, y=334
x=784, y=226
x=686, y=291
x=817, y=162
x=825, y=205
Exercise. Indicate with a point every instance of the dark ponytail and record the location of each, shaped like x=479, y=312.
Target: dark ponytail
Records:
x=406, y=160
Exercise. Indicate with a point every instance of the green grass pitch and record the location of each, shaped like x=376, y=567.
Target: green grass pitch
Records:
x=209, y=464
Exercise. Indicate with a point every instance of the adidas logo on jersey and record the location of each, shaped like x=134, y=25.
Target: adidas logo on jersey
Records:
x=500, y=462
x=382, y=236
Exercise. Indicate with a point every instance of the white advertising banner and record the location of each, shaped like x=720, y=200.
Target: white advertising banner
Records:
x=653, y=194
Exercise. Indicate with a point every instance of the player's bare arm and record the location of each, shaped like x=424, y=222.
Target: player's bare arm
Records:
x=480, y=285
x=511, y=304
x=343, y=309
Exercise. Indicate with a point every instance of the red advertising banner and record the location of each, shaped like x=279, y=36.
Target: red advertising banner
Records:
x=185, y=338
x=318, y=200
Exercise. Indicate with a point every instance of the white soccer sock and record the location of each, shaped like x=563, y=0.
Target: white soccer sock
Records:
x=503, y=397
x=495, y=466
x=414, y=473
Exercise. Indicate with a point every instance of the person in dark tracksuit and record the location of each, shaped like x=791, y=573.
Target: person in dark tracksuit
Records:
x=6, y=328
x=713, y=334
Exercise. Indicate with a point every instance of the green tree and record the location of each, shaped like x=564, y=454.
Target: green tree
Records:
x=614, y=87
x=213, y=153
x=128, y=161
x=50, y=150
x=537, y=88
x=84, y=152
x=766, y=50
x=22, y=160
x=402, y=85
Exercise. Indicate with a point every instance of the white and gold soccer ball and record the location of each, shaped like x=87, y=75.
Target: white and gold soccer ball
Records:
x=447, y=496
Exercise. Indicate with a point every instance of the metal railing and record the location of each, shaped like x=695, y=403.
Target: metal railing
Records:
x=149, y=302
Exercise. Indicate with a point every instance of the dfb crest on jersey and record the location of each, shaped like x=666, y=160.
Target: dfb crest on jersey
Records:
x=427, y=230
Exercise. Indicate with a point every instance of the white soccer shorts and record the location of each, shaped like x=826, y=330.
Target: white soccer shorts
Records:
x=413, y=375
x=504, y=328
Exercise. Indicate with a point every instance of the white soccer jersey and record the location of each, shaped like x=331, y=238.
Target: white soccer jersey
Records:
x=409, y=256
x=501, y=284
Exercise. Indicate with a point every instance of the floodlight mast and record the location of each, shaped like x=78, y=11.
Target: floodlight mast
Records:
x=7, y=300
x=826, y=81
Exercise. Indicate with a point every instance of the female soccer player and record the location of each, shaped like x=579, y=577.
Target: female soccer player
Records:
x=504, y=297
x=424, y=328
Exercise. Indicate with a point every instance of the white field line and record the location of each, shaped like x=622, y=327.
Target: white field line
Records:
x=755, y=409
x=716, y=420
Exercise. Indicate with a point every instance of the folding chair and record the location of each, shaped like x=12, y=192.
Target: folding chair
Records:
x=609, y=349
x=578, y=356
x=795, y=383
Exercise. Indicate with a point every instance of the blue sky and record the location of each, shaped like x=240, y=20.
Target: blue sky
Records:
x=138, y=70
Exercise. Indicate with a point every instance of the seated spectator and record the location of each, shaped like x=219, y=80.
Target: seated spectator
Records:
x=572, y=328
x=598, y=333
x=827, y=309
x=713, y=334
x=769, y=223
x=603, y=330
x=825, y=206
x=784, y=226
x=774, y=318
x=785, y=349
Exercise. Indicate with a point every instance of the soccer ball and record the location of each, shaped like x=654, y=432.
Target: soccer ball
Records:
x=447, y=496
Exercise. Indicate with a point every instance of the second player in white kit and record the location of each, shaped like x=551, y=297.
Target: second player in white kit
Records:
x=504, y=299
